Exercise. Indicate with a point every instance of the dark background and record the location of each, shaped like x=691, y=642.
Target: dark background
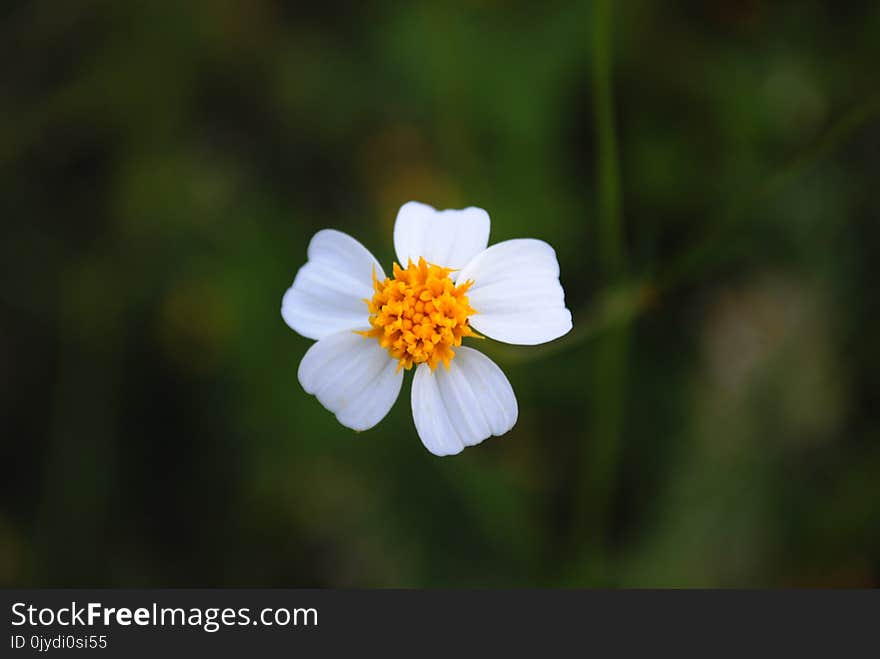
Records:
x=712, y=420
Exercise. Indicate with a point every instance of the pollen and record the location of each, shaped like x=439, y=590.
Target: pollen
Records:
x=419, y=315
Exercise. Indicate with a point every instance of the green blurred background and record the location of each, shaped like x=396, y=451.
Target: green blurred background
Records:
x=707, y=172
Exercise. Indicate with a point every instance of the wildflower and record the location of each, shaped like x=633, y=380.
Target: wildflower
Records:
x=449, y=286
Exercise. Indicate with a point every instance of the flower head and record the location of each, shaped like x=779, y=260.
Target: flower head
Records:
x=370, y=328
x=420, y=315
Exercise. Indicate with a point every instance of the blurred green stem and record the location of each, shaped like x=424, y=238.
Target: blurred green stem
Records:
x=626, y=299
x=607, y=393
x=610, y=231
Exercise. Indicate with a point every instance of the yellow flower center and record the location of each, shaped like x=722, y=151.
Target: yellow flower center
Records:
x=419, y=315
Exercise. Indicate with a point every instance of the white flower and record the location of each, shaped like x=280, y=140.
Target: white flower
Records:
x=370, y=329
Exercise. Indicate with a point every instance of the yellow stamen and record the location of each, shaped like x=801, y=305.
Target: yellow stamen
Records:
x=420, y=315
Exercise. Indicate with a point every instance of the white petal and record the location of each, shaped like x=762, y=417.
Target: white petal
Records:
x=328, y=292
x=353, y=377
x=464, y=405
x=516, y=293
x=448, y=238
